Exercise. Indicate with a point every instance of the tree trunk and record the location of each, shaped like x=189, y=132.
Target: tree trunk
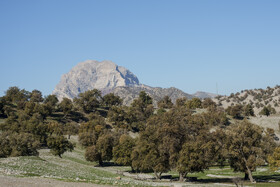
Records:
x=69, y=136
x=246, y=176
x=132, y=169
x=158, y=175
x=100, y=162
x=250, y=176
x=182, y=176
x=249, y=172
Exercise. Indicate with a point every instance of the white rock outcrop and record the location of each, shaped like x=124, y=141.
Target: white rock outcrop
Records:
x=91, y=74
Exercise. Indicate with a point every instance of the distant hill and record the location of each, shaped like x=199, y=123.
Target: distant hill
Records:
x=258, y=98
x=203, y=95
x=109, y=77
x=157, y=93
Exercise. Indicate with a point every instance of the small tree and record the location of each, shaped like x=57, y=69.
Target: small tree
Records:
x=92, y=155
x=102, y=151
x=111, y=99
x=181, y=102
x=208, y=103
x=265, y=111
x=248, y=110
x=248, y=147
x=15, y=95
x=235, y=111
x=71, y=128
x=18, y=144
x=165, y=103
x=66, y=106
x=194, y=103
x=89, y=101
x=122, y=152
x=59, y=145
x=274, y=159
x=36, y=96
x=191, y=159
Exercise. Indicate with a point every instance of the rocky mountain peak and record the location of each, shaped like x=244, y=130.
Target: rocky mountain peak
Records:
x=91, y=74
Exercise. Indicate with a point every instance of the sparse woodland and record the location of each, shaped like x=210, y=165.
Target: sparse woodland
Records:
x=187, y=136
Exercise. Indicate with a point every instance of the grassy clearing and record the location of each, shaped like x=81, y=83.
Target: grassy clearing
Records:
x=73, y=167
x=214, y=175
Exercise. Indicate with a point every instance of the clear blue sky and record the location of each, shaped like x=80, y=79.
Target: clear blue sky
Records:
x=191, y=45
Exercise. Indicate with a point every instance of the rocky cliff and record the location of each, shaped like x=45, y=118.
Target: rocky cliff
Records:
x=109, y=77
x=104, y=76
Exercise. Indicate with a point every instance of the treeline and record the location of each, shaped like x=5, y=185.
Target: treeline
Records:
x=187, y=136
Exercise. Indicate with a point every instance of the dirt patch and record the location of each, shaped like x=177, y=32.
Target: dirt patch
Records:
x=41, y=182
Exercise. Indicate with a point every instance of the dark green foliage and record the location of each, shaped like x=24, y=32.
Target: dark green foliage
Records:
x=146, y=155
x=139, y=111
x=51, y=99
x=105, y=145
x=66, y=106
x=181, y=102
x=55, y=128
x=111, y=99
x=18, y=144
x=87, y=138
x=14, y=95
x=90, y=131
x=158, y=146
x=267, y=110
x=235, y=111
x=8, y=110
x=161, y=111
x=71, y=129
x=102, y=151
x=27, y=129
x=248, y=110
x=59, y=144
x=122, y=152
x=29, y=108
x=248, y=147
x=194, y=103
x=215, y=117
x=191, y=159
x=2, y=104
x=119, y=117
x=207, y=103
x=89, y=101
x=5, y=145
x=36, y=96
x=144, y=99
x=93, y=155
x=165, y=103
x=50, y=103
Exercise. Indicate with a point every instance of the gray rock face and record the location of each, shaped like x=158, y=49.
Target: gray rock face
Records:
x=108, y=77
x=88, y=75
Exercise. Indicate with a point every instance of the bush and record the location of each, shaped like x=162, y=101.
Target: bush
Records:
x=18, y=144
x=59, y=145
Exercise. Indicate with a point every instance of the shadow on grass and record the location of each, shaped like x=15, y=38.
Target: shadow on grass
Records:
x=259, y=178
x=214, y=180
x=108, y=164
x=275, y=177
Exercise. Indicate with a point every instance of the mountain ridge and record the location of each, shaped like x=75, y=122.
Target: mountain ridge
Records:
x=108, y=77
